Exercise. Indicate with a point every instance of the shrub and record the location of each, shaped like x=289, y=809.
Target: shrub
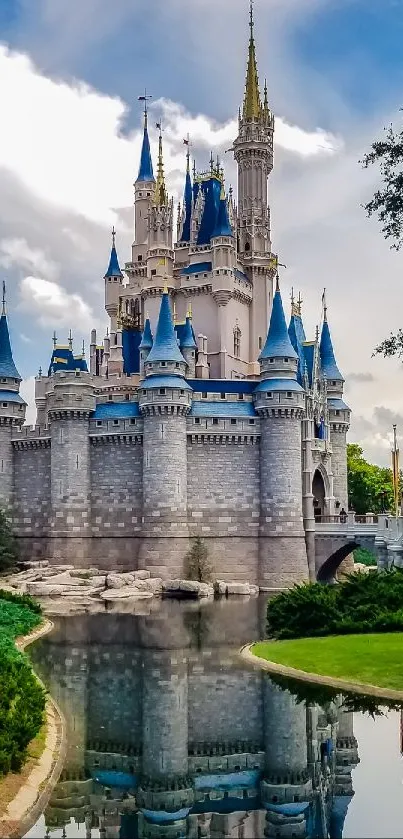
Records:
x=22, y=699
x=197, y=565
x=8, y=544
x=364, y=557
x=360, y=603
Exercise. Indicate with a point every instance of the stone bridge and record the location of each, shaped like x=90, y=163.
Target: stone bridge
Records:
x=335, y=539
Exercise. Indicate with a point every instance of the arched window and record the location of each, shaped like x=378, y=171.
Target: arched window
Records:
x=237, y=342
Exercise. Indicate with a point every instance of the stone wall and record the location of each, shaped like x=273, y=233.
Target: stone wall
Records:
x=339, y=467
x=116, y=465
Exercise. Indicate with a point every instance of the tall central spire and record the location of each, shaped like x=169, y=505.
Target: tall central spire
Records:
x=161, y=196
x=252, y=106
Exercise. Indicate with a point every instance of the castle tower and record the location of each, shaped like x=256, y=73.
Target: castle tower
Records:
x=71, y=400
x=165, y=401
x=145, y=345
x=113, y=285
x=189, y=347
x=223, y=262
x=339, y=413
x=160, y=258
x=144, y=189
x=279, y=401
x=12, y=407
x=253, y=151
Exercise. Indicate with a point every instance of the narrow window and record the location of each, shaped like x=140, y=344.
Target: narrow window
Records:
x=204, y=395
x=116, y=422
x=162, y=391
x=233, y=422
x=237, y=342
x=99, y=423
x=215, y=421
x=223, y=395
x=240, y=396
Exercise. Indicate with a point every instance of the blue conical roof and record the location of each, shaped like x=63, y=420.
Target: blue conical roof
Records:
x=297, y=337
x=278, y=342
x=187, y=201
x=211, y=190
x=147, y=338
x=165, y=346
x=327, y=360
x=146, y=165
x=7, y=366
x=223, y=227
x=113, y=269
x=188, y=340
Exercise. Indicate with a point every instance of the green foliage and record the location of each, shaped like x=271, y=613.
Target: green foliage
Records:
x=370, y=487
x=8, y=544
x=364, y=557
x=387, y=203
x=22, y=700
x=197, y=565
x=360, y=603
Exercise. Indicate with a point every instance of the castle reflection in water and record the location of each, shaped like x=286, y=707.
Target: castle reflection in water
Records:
x=169, y=735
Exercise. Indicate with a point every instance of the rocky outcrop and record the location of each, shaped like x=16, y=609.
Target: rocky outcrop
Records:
x=223, y=589
x=186, y=588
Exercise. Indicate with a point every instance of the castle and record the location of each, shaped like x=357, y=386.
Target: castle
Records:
x=201, y=414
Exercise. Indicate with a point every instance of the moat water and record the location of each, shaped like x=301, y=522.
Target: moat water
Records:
x=171, y=735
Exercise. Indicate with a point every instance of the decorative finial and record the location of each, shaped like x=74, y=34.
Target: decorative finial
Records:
x=251, y=18
x=54, y=340
x=165, y=288
x=299, y=304
x=194, y=170
x=186, y=142
x=161, y=196
x=277, y=282
x=174, y=311
x=324, y=305
x=252, y=107
x=3, y=305
x=145, y=99
x=189, y=311
x=266, y=97
x=211, y=163
x=83, y=351
x=113, y=236
x=317, y=334
x=292, y=297
x=70, y=340
x=40, y=372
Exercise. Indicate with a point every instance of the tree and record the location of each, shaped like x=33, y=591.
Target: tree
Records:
x=197, y=563
x=387, y=203
x=370, y=487
x=8, y=545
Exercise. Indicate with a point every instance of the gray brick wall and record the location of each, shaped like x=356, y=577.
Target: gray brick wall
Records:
x=164, y=475
x=339, y=467
x=116, y=487
x=32, y=500
x=6, y=465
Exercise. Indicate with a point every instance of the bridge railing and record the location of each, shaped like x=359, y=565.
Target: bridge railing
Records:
x=347, y=519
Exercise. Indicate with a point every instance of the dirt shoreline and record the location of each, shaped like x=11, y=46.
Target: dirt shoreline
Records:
x=314, y=678
x=34, y=792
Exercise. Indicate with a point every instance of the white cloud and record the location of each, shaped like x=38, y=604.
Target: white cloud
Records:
x=54, y=306
x=74, y=154
x=17, y=252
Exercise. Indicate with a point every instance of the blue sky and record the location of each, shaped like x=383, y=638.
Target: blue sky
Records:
x=69, y=153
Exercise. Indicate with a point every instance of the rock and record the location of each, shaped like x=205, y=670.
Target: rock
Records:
x=125, y=592
x=115, y=581
x=154, y=585
x=224, y=589
x=141, y=575
x=87, y=573
x=186, y=588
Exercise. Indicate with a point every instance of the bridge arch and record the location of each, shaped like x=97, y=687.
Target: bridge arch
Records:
x=328, y=569
x=321, y=491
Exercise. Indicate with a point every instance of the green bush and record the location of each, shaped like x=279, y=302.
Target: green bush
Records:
x=22, y=700
x=360, y=603
x=197, y=565
x=364, y=557
x=8, y=544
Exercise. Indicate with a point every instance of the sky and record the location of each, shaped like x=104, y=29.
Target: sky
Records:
x=71, y=73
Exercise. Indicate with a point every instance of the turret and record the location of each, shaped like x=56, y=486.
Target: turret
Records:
x=189, y=347
x=160, y=259
x=253, y=151
x=339, y=413
x=145, y=345
x=144, y=189
x=279, y=401
x=184, y=232
x=113, y=284
x=12, y=407
x=164, y=401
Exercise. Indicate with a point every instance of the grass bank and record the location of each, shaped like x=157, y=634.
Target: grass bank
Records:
x=22, y=699
x=371, y=659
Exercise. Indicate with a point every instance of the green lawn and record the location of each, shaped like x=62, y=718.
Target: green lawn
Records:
x=370, y=659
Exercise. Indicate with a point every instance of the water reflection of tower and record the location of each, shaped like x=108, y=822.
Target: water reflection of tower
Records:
x=346, y=760
x=287, y=786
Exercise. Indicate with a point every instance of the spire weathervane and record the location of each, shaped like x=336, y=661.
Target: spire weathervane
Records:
x=54, y=339
x=113, y=236
x=324, y=305
x=145, y=99
x=252, y=107
x=3, y=307
x=161, y=196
